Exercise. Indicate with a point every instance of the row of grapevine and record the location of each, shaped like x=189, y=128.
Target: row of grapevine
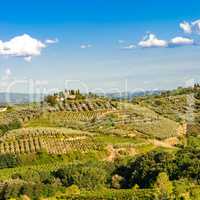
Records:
x=26, y=133
x=63, y=119
x=51, y=145
x=21, y=146
x=77, y=106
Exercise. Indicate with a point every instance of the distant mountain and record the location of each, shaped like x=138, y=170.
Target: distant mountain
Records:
x=18, y=98
x=130, y=95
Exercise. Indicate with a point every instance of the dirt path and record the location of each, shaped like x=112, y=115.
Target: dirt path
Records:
x=119, y=152
x=164, y=143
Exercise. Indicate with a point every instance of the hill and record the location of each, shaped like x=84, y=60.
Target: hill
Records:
x=89, y=144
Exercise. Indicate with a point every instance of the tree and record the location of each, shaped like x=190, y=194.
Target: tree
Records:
x=145, y=169
x=164, y=186
x=51, y=100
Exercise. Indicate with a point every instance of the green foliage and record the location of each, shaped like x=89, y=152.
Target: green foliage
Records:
x=10, y=191
x=193, y=142
x=194, y=193
x=84, y=176
x=29, y=189
x=145, y=169
x=73, y=189
x=164, y=186
x=9, y=161
x=187, y=164
x=11, y=125
x=181, y=189
x=108, y=194
x=51, y=100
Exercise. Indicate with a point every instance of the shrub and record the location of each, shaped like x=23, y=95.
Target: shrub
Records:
x=9, y=161
x=164, y=186
x=73, y=189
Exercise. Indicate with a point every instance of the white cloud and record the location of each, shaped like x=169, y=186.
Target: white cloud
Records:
x=193, y=27
x=196, y=27
x=186, y=27
x=181, y=41
x=152, y=41
x=85, y=46
x=22, y=46
x=51, y=41
x=131, y=46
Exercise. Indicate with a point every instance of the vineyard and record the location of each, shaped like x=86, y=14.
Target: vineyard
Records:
x=51, y=140
x=133, y=121
x=79, y=106
x=80, y=122
x=77, y=116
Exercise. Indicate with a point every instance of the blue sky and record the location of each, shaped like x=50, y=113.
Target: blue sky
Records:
x=98, y=45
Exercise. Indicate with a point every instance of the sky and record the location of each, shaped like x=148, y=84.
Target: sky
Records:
x=98, y=45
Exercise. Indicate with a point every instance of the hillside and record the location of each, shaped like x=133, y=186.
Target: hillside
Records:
x=91, y=133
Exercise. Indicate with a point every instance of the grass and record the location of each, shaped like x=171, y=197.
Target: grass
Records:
x=113, y=139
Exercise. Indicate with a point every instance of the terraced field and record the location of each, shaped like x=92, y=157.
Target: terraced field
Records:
x=86, y=105
x=135, y=120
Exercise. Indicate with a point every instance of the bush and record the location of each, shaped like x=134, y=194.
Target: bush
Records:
x=164, y=186
x=73, y=189
x=9, y=161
